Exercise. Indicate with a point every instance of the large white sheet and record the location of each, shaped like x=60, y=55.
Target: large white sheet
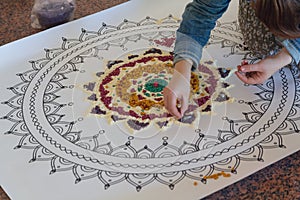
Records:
x=45, y=121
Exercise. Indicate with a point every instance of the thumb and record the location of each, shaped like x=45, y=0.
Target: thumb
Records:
x=250, y=68
x=184, y=105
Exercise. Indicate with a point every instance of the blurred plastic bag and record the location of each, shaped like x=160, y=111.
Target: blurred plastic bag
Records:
x=49, y=13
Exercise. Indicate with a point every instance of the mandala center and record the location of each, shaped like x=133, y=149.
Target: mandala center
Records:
x=156, y=85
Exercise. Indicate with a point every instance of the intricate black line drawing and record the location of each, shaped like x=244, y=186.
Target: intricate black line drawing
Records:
x=42, y=120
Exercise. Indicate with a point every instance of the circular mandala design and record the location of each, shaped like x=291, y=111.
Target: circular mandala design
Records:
x=132, y=89
x=39, y=115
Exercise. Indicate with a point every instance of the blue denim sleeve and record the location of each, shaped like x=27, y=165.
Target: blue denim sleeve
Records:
x=198, y=19
x=293, y=47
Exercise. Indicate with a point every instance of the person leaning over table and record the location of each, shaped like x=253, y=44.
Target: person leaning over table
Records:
x=271, y=29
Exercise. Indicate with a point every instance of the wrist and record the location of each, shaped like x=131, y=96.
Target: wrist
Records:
x=184, y=67
x=284, y=58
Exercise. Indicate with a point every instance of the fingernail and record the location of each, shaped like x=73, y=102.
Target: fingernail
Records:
x=244, y=62
x=239, y=67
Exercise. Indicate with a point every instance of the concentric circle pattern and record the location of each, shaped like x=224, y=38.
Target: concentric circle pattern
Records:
x=132, y=89
x=54, y=119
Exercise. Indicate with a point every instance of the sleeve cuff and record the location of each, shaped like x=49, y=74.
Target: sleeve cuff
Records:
x=186, y=48
x=293, y=47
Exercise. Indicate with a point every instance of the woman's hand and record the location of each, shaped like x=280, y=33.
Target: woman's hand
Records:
x=177, y=92
x=259, y=72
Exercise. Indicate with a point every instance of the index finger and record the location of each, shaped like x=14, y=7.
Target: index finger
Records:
x=250, y=68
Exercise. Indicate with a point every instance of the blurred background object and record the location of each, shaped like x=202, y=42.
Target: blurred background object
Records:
x=49, y=13
x=15, y=16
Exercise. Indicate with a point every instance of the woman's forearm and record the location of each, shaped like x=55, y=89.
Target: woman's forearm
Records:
x=283, y=58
